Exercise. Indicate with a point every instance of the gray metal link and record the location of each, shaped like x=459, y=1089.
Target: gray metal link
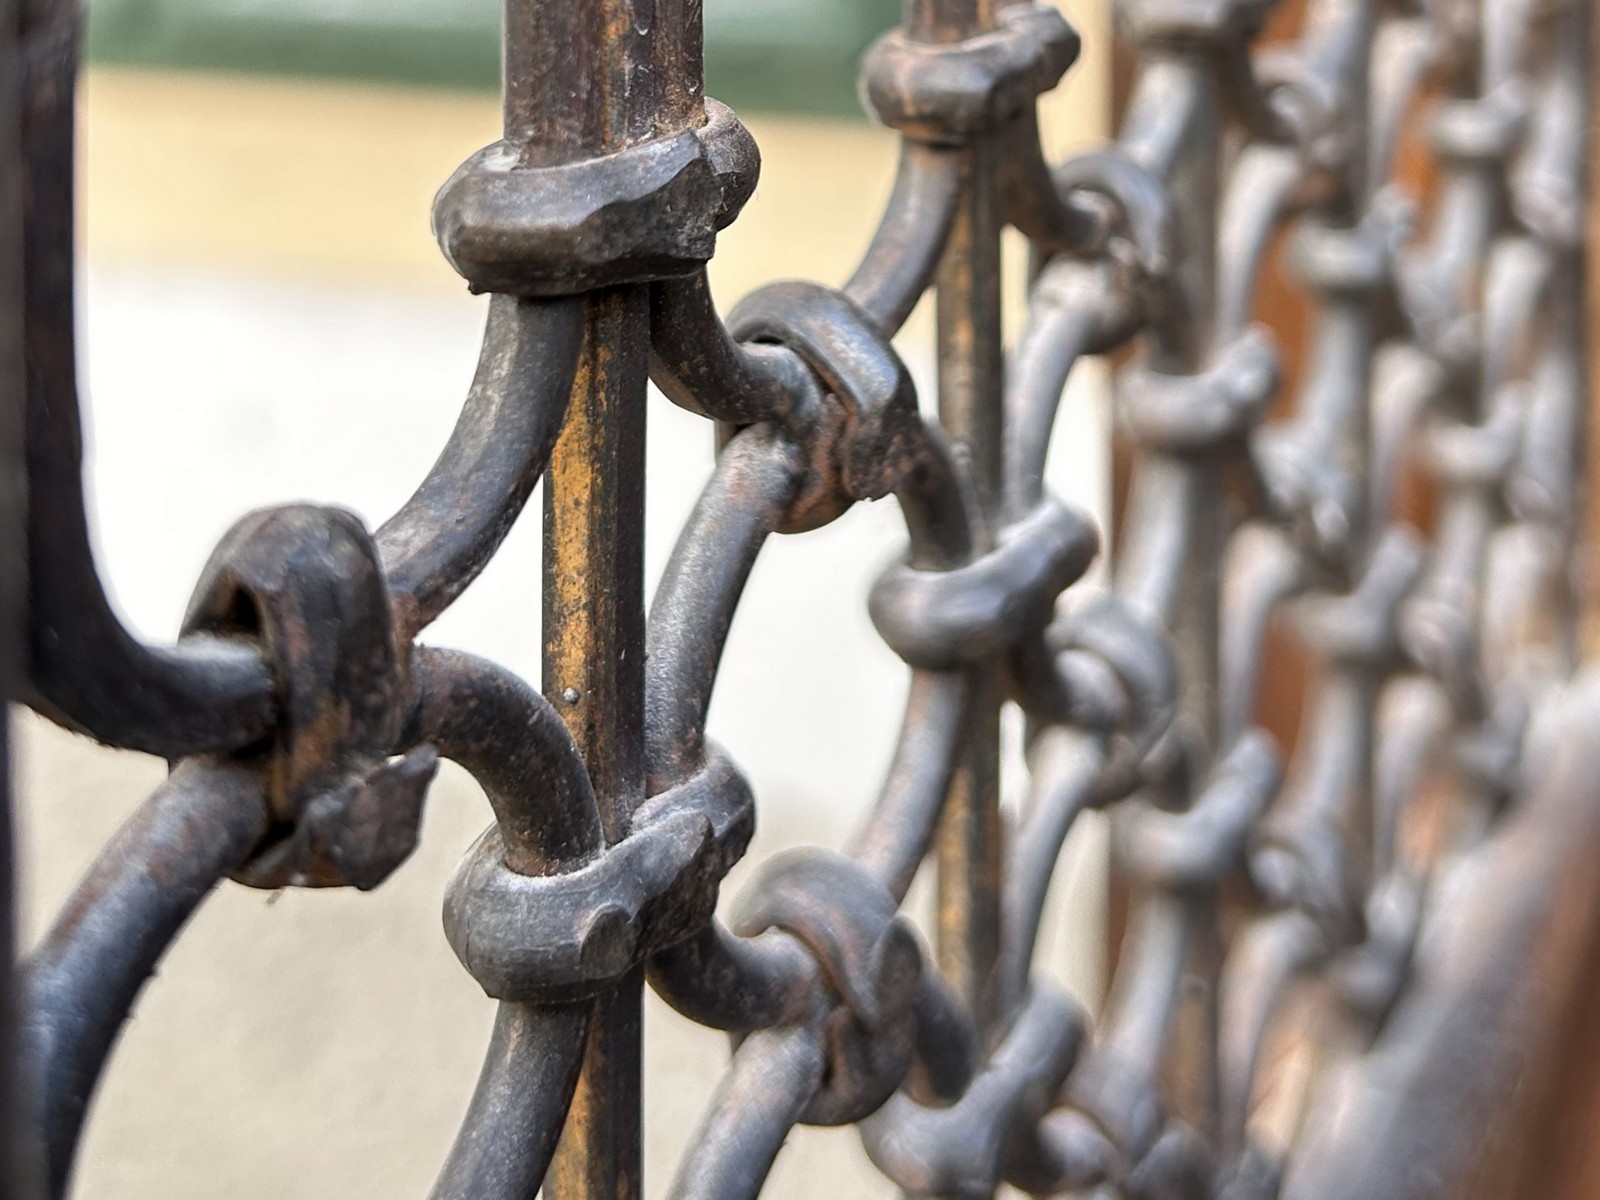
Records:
x=1299, y=983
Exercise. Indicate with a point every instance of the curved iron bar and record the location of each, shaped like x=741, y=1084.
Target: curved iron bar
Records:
x=696, y=363
x=1072, y=314
x=509, y=1132
x=967, y=1074
x=439, y=540
x=1035, y=205
x=207, y=694
x=756, y=478
x=81, y=982
x=509, y=738
x=758, y=1101
x=1065, y=781
x=84, y=668
x=903, y=255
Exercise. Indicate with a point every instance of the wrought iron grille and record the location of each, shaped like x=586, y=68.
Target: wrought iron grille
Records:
x=1343, y=965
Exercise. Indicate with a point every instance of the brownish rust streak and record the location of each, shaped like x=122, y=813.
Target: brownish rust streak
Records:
x=594, y=675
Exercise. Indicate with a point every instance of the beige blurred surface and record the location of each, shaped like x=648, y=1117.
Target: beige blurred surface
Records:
x=266, y=318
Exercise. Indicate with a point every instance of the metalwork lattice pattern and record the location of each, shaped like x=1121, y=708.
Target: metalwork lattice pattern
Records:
x=1337, y=964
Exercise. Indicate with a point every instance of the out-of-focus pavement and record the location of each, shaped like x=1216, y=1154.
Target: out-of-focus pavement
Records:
x=265, y=318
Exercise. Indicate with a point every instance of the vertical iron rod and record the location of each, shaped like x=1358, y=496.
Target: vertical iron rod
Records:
x=594, y=674
x=584, y=79
x=970, y=356
x=581, y=80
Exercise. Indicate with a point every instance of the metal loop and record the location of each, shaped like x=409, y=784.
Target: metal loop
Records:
x=650, y=211
x=558, y=938
x=945, y=93
x=862, y=439
x=1198, y=848
x=870, y=964
x=1141, y=660
x=1373, y=899
x=965, y=1149
x=1352, y=260
x=1363, y=626
x=1480, y=456
x=1309, y=106
x=1485, y=130
x=1143, y=203
x=1224, y=28
x=305, y=583
x=946, y=619
x=1197, y=414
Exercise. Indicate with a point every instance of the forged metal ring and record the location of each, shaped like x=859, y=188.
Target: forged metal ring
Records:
x=305, y=582
x=945, y=93
x=946, y=619
x=860, y=440
x=554, y=939
x=650, y=211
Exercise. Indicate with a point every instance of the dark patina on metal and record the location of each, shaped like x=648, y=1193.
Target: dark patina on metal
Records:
x=1344, y=964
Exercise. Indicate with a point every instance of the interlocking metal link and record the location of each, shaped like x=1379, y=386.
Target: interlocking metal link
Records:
x=1321, y=977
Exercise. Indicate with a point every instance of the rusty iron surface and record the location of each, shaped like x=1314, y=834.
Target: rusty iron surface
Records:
x=1344, y=962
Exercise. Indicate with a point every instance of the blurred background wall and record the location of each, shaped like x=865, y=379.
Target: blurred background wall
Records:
x=265, y=317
